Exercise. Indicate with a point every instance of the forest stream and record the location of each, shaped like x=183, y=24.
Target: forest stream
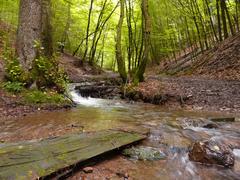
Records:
x=171, y=132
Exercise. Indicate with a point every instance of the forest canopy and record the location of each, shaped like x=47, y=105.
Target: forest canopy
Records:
x=88, y=29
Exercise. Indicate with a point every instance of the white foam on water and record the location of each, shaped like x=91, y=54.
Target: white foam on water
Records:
x=78, y=99
x=92, y=102
x=236, y=152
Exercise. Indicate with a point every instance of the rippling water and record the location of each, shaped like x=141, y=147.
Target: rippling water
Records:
x=171, y=132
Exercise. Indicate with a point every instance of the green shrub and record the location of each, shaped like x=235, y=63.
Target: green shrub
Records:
x=14, y=87
x=47, y=72
x=13, y=69
x=40, y=97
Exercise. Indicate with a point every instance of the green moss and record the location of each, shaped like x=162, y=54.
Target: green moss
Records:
x=144, y=153
x=40, y=97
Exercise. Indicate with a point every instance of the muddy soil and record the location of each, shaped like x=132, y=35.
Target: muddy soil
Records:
x=191, y=93
x=12, y=106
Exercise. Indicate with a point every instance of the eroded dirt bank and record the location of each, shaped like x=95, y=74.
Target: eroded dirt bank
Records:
x=191, y=93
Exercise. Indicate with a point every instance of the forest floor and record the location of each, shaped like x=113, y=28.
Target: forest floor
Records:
x=191, y=93
x=210, y=81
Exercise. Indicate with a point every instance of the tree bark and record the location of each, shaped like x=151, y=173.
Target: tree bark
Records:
x=119, y=55
x=46, y=34
x=224, y=21
x=34, y=26
x=88, y=28
x=29, y=31
x=219, y=21
x=139, y=76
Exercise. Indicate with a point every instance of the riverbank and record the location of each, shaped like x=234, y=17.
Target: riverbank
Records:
x=189, y=93
x=16, y=105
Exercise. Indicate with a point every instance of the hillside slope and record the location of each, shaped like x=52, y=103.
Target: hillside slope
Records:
x=221, y=62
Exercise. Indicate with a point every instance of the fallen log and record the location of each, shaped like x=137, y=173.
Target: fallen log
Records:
x=39, y=159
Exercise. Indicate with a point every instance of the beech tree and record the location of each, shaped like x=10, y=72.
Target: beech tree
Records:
x=119, y=55
x=139, y=75
x=34, y=26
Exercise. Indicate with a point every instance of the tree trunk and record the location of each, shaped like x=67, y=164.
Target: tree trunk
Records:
x=229, y=18
x=225, y=31
x=66, y=30
x=88, y=28
x=211, y=20
x=34, y=25
x=46, y=36
x=29, y=31
x=219, y=20
x=119, y=55
x=139, y=76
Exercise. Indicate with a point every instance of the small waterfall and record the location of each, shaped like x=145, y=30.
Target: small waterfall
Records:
x=76, y=97
x=85, y=101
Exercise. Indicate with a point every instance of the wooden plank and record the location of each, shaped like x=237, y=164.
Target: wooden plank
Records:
x=223, y=119
x=30, y=160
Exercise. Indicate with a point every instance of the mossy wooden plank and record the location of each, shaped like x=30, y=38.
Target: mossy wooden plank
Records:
x=29, y=160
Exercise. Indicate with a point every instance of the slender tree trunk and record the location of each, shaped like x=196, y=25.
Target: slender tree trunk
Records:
x=237, y=4
x=95, y=36
x=229, y=18
x=211, y=20
x=139, y=76
x=88, y=28
x=46, y=38
x=66, y=29
x=119, y=55
x=225, y=31
x=202, y=24
x=219, y=20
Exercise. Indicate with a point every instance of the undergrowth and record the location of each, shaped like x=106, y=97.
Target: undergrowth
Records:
x=40, y=97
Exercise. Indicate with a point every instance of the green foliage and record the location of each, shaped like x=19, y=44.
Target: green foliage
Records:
x=48, y=75
x=13, y=87
x=40, y=97
x=13, y=69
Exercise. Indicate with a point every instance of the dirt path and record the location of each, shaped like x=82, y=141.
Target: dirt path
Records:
x=192, y=93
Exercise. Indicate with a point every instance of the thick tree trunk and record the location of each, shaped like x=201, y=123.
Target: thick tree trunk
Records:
x=29, y=31
x=34, y=25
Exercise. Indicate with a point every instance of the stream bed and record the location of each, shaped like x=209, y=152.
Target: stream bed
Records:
x=172, y=132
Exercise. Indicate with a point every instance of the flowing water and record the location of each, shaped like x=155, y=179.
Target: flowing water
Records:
x=172, y=132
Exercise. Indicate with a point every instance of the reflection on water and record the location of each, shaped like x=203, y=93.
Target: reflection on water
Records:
x=172, y=132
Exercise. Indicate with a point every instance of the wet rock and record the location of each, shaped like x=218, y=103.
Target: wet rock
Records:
x=99, y=91
x=88, y=170
x=122, y=175
x=211, y=126
x=211, y=152
x=144, y=153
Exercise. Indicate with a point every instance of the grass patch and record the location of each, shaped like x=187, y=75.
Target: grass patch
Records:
x=13, y=87
x=40, y=97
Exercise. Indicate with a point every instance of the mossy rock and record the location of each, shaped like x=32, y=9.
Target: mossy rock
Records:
x=144, y=153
